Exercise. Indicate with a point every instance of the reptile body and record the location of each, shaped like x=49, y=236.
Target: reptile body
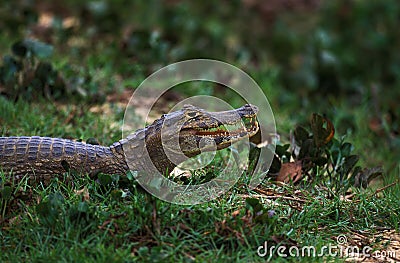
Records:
x=181, y=134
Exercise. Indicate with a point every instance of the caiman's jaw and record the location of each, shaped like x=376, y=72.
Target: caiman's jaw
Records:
x=232, y=132
x=223, y=128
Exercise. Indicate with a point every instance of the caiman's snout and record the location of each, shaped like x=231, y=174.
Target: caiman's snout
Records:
x=247, y=110
x=224, y=127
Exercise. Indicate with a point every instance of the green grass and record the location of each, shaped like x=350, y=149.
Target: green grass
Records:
x=64, y=227
x=61, y=120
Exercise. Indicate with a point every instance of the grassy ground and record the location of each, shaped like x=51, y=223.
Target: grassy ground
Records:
x=116, y=222
x=112, y=220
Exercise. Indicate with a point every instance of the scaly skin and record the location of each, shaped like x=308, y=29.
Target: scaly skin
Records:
x=42, y=157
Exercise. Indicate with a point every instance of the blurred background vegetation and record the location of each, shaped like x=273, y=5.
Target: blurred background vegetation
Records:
x=68, y=70
x=339, y=58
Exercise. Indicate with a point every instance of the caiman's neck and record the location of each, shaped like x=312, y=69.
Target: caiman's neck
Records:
x=158, y=156
x=144, y=151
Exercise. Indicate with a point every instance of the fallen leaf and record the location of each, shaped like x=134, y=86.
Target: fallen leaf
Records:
x=235, y=213
x=290, y=172
x=84, y=193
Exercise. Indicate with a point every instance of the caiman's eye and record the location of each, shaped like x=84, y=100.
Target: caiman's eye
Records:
x=192, y=114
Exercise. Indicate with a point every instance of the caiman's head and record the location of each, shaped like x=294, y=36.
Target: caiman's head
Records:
x=185, y=133
x=193, y=130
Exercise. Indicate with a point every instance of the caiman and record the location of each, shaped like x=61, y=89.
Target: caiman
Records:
x=41, y=158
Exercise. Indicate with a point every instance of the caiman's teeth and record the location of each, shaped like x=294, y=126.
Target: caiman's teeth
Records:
x=235, y=130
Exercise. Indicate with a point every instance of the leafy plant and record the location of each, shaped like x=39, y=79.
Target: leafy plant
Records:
x=26, y=74
x=322, y=158
x=51, y=209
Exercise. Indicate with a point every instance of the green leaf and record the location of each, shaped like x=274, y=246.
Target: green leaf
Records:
x=56, y=199
x=157, y=254
x=6, y=193
x=104, y=179
x=10, y=67
x=143, y=251
x=321, y=161
x=346, y=149
x=306, y=149
x=19, y=49
x=301, y=134
x=92, y=141
x=83, y=207
x=49, y=209
x=44, y=71
x=116, y=194
x=43, y=208
x=254, y=203
x=336, y=154
x=281, y=150
x=131, y=175
x=36, y=83
x=349, y=163
x=275, y=165
x=115, y=177
x=39, y=49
